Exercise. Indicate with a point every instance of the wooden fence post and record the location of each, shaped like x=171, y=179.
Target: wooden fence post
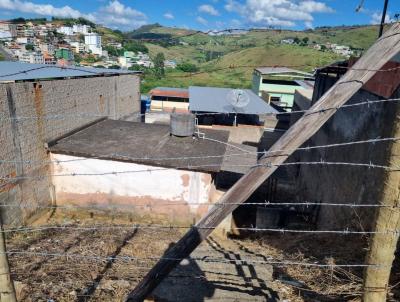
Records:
x=7, y=290
x=383, y=244
x=374, y=59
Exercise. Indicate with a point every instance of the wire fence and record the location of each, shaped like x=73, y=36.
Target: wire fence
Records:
x=58, y=250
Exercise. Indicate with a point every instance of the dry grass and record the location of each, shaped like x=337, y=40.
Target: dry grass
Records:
x=46, y=277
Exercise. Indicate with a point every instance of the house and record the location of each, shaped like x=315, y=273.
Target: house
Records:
x=166, y=99
x=31, y=57
x=37, y=95
x=49, y=59
x=81, y=29
x=93, y=42
x=277, y=85
x=79, y=47
x=145, y=170
x=24, y=40
x=65, y=30
x=287, y=41
x=214, y=105
x=47, y=47
x=362, y=122
x=65, y=54
x=8, y=29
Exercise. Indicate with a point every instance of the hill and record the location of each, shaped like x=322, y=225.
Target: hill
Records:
x=215, y=55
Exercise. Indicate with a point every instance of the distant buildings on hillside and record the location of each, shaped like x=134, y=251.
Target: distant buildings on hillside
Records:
x=342, y=50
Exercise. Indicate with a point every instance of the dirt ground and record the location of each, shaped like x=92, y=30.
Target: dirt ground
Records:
x=83, y=261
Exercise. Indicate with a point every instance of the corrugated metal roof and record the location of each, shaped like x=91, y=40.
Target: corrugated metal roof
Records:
x=281, y=70
x=171, y=89
x=170, y=92
x=212, y=99
x=17, y=71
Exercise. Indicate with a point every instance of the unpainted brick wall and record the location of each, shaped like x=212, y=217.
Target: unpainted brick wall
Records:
x=34, y=113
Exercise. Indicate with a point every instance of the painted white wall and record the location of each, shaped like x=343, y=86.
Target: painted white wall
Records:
x=138, y=181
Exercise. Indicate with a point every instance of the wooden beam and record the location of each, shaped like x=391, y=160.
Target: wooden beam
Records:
x=384, y=243
x=374, y=59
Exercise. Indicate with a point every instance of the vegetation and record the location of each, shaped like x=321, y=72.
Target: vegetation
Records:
x=135, y=46
x=187, y=67
x=159, y=68
x=29, y=47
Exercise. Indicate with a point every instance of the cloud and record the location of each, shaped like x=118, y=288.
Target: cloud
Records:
x=40, y=9
x=376, y=18
x=114, y=14
x=202, y=21
x=208, y=9
x=169, y=16
x=285, y=13
x=117, y=15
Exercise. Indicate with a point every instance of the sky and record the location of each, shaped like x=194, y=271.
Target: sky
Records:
x=206, y=14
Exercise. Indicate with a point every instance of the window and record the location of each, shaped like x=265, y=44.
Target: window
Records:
x=275, y=99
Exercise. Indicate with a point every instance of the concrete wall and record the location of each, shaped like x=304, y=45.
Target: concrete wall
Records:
x=144, y=191
x=345, y=184
x=25, y=129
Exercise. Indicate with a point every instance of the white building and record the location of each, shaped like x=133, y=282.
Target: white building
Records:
x=8, y=31
x=343, y=50
x=79, y=47
x=65, y=30
x=24, y=40
x=93, y=42
x=81, y=29
x=32, y=57
x=124, y=62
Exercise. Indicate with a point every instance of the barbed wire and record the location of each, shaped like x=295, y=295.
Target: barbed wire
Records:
x=244, y=152
x=308, y=111
x=182, y=227
x=204, y=166
x=31, y=205
x=201, y=259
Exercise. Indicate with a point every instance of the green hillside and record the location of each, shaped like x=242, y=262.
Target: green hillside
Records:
x=229, y=60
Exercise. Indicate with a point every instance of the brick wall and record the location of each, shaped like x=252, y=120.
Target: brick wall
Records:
x=33, y=113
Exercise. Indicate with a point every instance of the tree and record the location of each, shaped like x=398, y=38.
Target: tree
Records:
x=187, y=67
x=29, y=47
x=159, y=68
x=305, y=40
x=296, y=40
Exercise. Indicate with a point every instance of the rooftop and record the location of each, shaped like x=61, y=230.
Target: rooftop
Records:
x=17, y=71
x=212, y=99
x=147, y=144
x=170, y=91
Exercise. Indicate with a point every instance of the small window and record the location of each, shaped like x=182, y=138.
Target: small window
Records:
x=275, y=99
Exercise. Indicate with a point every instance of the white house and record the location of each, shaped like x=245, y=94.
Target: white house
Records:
x=32, y=57
x=65, y=30
x=81, y=29
x=93, y=42
x=24, y=40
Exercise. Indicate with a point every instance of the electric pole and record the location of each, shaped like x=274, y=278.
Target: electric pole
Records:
x=383, y=18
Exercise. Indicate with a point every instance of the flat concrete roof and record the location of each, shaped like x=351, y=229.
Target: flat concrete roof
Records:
x=147, y=144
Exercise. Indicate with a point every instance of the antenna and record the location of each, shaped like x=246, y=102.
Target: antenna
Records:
x=238, y=99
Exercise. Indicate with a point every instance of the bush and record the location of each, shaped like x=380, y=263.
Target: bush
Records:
x=187, y=67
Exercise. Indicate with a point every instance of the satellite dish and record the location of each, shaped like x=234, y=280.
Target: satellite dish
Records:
x=238, y=98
